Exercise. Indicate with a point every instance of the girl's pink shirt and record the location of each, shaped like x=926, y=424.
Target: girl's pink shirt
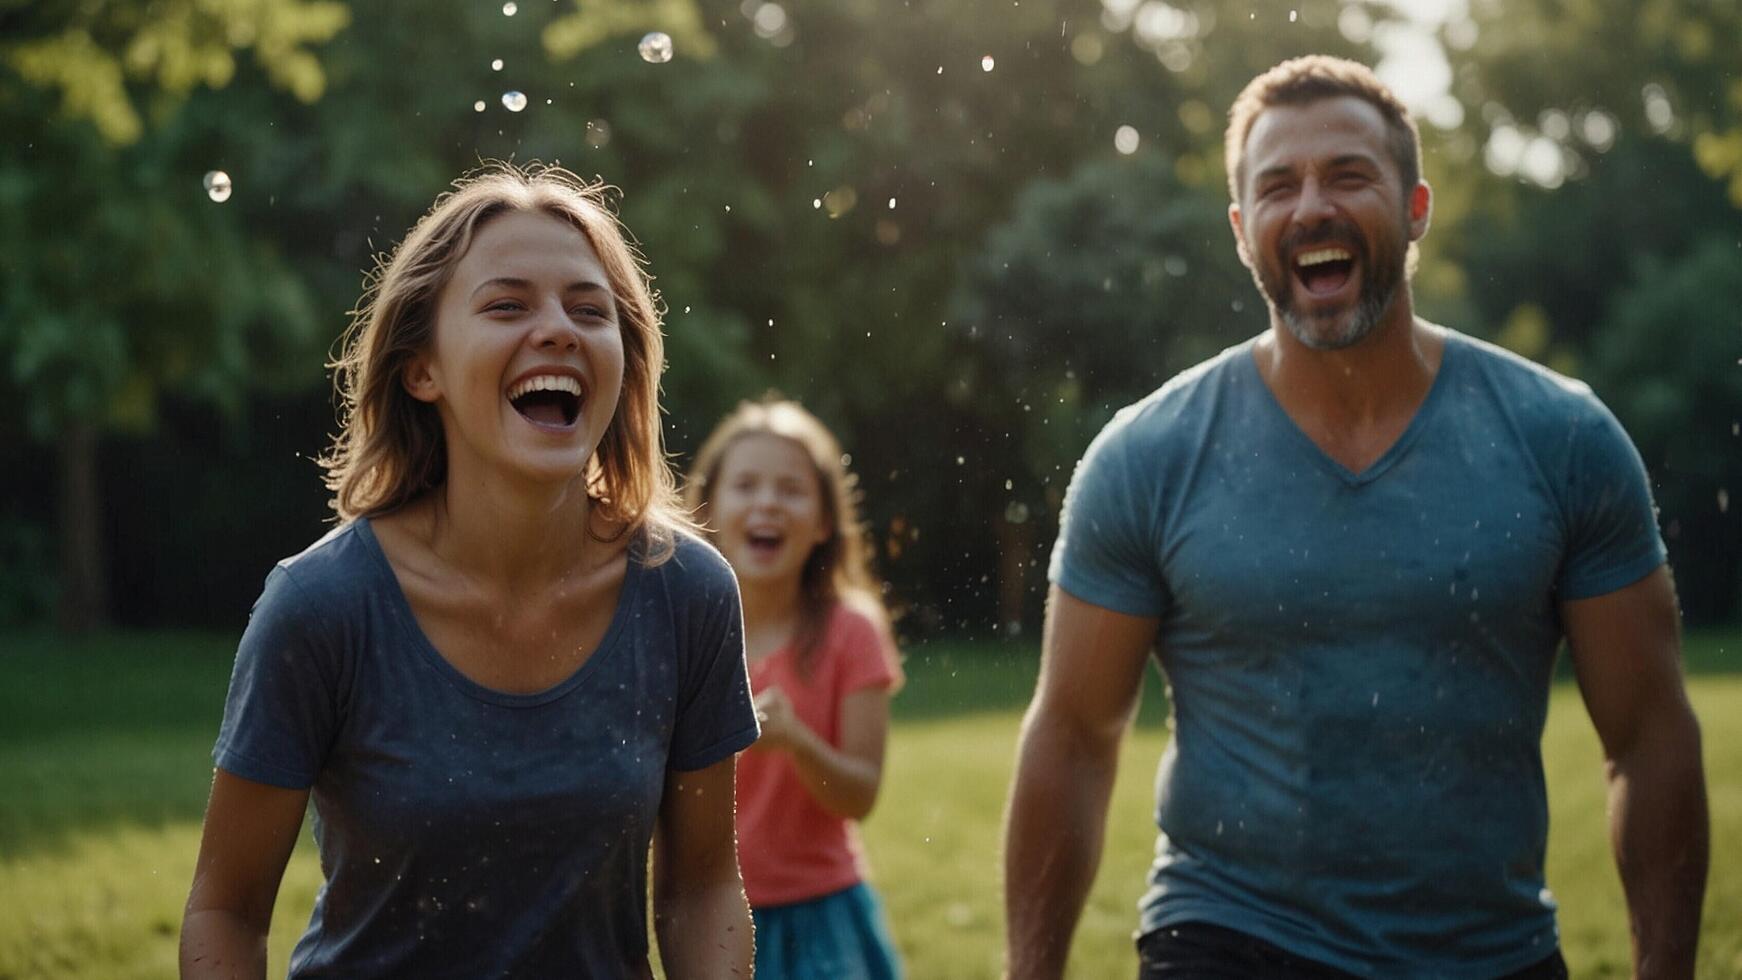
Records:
x=789, y=848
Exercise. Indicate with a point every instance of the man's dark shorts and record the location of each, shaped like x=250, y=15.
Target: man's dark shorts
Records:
x=1198, y=951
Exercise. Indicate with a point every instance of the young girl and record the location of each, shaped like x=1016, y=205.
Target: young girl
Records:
x=771, y=484
x=510, y=669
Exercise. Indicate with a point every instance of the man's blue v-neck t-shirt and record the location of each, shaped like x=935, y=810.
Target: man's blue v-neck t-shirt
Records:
x=1359, y=663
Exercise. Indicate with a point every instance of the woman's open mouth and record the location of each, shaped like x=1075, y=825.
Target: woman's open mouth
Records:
x=548, y=400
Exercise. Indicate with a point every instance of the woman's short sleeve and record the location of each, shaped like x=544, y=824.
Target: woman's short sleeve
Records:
x=715, y=714
x=282, y=709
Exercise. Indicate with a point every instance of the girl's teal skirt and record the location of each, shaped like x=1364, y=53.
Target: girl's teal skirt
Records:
x=842, y=936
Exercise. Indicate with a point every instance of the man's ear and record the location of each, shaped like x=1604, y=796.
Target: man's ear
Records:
x=1421, y=209
x=1239, y=235
x=418, y=379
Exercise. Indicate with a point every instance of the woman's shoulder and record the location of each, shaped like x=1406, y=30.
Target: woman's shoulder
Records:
x=339, y=570
x=337, y=563
x=689, y=565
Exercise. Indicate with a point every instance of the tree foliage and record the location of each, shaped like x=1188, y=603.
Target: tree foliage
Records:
x=1615, y=271
x=911, y=215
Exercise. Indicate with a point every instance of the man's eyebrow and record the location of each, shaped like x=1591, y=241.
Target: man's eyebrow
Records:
x=1363, y=160
x=1276, y=170
x=1345, y=159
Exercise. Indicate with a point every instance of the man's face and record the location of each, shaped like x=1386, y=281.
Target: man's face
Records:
x=1323, y=220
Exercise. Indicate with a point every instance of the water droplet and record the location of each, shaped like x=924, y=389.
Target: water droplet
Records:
x=655, y=48
x=510, y=8
x=217, y=184
x=987, y=64
x=892, y=204
x=768, y=20
x=514, y=101
x=1125, y=140
x=496, y=65
x=478, y=106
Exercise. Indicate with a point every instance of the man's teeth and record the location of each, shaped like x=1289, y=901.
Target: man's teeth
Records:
x=1321, y=255
x=545, y=382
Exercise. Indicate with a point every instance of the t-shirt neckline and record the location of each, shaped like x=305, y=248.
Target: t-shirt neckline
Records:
x=1396, y=451
x=408, y=624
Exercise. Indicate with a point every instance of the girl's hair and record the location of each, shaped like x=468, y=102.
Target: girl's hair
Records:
x=390, y=448
x=838, y=570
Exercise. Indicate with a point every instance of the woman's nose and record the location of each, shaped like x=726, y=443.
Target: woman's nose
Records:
x=553, y=327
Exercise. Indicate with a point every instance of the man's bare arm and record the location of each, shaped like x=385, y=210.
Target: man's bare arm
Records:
x=1627, y=652
x=1091, y=674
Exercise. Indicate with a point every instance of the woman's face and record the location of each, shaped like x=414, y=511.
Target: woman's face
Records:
x=767, y=509
x=526, y=361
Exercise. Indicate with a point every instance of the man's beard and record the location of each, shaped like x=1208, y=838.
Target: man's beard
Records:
x=1334, y=329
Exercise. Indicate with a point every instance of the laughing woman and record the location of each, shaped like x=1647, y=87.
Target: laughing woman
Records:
x=511, y=669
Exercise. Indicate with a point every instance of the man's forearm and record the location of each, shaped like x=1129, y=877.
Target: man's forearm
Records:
x=1658, y=828
x=1052, y=846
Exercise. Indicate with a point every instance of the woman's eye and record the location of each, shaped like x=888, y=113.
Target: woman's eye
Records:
x=503, y=306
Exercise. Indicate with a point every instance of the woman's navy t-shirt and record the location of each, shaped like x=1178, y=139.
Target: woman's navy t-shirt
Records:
x=463, y=831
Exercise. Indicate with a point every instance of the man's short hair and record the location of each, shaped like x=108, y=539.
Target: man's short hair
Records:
x=1301, y=81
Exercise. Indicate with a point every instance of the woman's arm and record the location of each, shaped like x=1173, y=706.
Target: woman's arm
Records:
x=843, y=780
x=700, y=914
x=249, y=833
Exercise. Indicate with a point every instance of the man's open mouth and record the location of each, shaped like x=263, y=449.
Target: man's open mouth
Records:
x=552, y=400
x=1324, y=270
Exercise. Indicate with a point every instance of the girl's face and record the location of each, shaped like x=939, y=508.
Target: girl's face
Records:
x=767, y=509
x=526, y=362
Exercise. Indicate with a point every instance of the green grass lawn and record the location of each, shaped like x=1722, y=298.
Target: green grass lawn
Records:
x=104, y=749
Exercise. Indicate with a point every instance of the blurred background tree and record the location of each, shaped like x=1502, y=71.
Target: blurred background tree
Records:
x=116, y=285
x=965, y=234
